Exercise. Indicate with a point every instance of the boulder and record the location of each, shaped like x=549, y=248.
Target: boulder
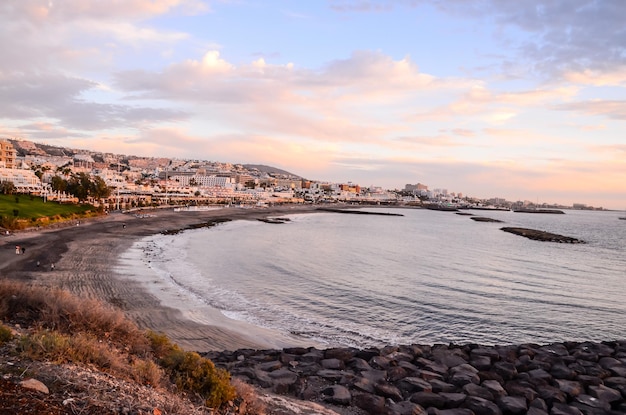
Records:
x=428, y=400
x=332, y=363
x=388, y=391
x=481, y=406
x=410, y=385
x=405, y=408
x=337, y=394
x=563, y=409
x=373, y=404
x=471, y=389
x=513, y=405
x=34, y=384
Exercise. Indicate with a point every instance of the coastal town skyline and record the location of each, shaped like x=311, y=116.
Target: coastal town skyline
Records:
x=518, y=101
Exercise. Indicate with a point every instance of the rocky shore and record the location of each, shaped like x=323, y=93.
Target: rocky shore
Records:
x=569, y=378
x=538, y=235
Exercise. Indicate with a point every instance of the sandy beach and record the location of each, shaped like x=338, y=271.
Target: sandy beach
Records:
x=87, y=262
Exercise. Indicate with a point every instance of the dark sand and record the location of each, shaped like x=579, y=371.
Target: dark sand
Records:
x=86, y=263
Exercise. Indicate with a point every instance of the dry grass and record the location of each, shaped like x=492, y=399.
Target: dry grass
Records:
x=60, y=328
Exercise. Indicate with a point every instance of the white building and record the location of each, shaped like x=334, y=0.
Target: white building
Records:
x=24, y=180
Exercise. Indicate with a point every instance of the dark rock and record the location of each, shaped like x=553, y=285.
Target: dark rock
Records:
x=513, y=405
x=454, y=411
x=587, y=380
x=560, y=371
x=570, y=387
x=481, y=362
x=388, y=391
x=373, y=404
x=343, y=354
x=337, y=394
x=536, y=411
x=283, y=381
x=430, y=376
x=380, y=362
x=270, y=366
x=298, y=351
x=494, y=387
x=453, y=400
x=441, y=386
x=605, y=393
x=505, y=369
x=520, y=389
x=551, y=395
x=464, y=374
x=367, y=354
x=563, y=409
x=428, y=399
x=410, y=368
x=540, y=374
x=358, y=364
x=375, y=375
x=472, y=389
x=411, y=384
x=396, y=373
x=329, y=374
x=363, y=384
x=590, y=401
x=313, y=355
x=481, y=406
x=405, y=408
x=332, y=363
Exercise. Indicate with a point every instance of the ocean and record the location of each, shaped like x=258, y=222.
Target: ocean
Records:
x=425, y=277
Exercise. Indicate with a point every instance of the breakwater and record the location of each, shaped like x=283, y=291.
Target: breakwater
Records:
x=561, y=378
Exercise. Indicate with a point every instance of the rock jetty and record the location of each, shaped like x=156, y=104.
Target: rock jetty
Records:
x=542, y=235
x=570, y=378
x=484, y=219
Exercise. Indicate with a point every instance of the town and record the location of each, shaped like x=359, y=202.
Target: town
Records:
x=121, y=182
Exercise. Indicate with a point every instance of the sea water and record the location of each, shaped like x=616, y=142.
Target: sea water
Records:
x=424, y=277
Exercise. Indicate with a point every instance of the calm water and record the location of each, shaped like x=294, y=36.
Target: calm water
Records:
x=426, y=277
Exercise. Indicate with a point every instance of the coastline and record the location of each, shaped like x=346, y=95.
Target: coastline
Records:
x=91, y=259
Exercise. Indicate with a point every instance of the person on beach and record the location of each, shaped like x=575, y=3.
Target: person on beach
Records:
x=52, y=267
x=17, y=250
x=23, y=250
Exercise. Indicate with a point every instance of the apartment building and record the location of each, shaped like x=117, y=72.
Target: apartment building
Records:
x=7, y=155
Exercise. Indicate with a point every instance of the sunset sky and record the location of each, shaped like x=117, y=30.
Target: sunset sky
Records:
x=524, y=100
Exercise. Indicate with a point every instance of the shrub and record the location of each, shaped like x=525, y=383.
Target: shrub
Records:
x=5, y=334
x=191, y=372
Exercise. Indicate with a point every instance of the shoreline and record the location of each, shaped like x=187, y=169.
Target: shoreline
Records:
x=89, y=262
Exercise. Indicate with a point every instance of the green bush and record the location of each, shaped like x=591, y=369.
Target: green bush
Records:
x=193, y=373
x=5, y=334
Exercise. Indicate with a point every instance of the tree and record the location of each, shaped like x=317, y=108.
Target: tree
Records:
x=58, y=184
x=8, y=187
x=100, y=188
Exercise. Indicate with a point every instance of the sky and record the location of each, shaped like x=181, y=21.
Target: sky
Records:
x=523, y=100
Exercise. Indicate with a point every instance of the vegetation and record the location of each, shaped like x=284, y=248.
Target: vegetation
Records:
x=62, y=328
x=20, y=211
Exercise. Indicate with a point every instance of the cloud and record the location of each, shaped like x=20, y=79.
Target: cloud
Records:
x=613, y=109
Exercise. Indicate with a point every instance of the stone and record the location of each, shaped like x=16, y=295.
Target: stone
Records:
x=388, y=391
x=270, y=366
x=513, y=405
x=481, y=406
x=560, y=371
x=536, y=411
x=358, y=364
x=471, y=389
x=570, y=387
x=380, y=362
x=505, y=369
x=395, y=373
x=343, y=354
x=330, y=374
x=428, y=399
x=454, y=411
x=373, y=404
x=364, y=385
x=34, y=384
x=605, y=393
x=590, y=401
x=453, y=400
x=332, y=363
x=375, y=375
x=411, y=384
x=563, y=409
x=337, y=394
x=405, y=408
x=441, y=386
x=494, y=387
x=481, y=362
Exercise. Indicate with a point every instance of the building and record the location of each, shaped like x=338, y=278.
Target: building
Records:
x=7, y=155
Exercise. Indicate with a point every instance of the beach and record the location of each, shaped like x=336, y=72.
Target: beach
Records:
x=83, y=257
